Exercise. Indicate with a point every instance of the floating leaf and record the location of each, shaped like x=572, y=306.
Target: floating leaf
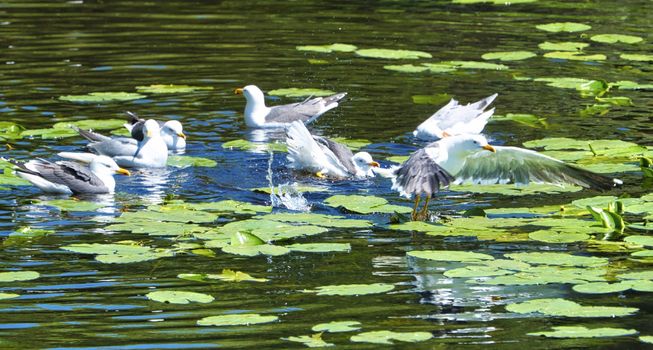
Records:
x=186, y=161
x=73, y=205
x=397, y=159
x=631, y=85
x=407, y=68
x=392, y=54
x=525, y=119
x=97, y=97
x=236, y=320
x=328, y=48
x=25, y=235
x=179, y=297
x=449, y=255
x=640, y=240
x=364, y=204
x=568, y=308
x=303, y=92
x=476, y=271
x=584, y=332
x=317, y=219
x=604, y=287
x=255, y=146
x=254, y=250
x=270, y=230
x=156, y=228
x=638, y=275
x=564, y=83
x=563, y=46
x=13, y=276
x=386, y=337
x=616, y=38
x=319, y=247
x=443, y=67
x=436, y=99
x=312, y=341
x=558, y=259
x=574, y=56
x=170, y=88
x=551, y=236
x=508, y=55
x=513, y=190
x=616, y=100
x=646, y=339
x=10, y=131
x=636, y=57
x=352, y=289
x=563, y=27
x=235, y=276
x=8, y=296
x=337, y=326
x=231, y=206
x=476, y=65
x=116, y=253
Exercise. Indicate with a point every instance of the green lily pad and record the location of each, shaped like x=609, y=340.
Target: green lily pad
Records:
x=397, y=159
x=352, y=289
x=584, y=332
x=646, y=339
x=568, y=308
x=186, y=161
x=73, y=205
x=526, y=119
x=364, y=204
x=353, y=144
x=640, y=240
x=508, y=55
x=64, y=129
x=328, y=48
x=637, y=275
x=574, y=56
x=170, y=88
x=443, y=67
x=179, y=297
x=636, y=57
x=255, y=146
x=25, y=235
x=167, y=214
x=476, y=271
x=98, y=97
x=631, y=85
x=13, y=276
x=236, y=320
x=392, y=54
x=407, y=68
x=564, y=83
x=319, y=247
x=118, y=253
x=551, y=236
x=558, y=259
x=495, y=2
x=616, y=38
x=449, y=255
x=337, y=326
x=540, y=275
x=10, y=131
x=386, y=337
x=563, y=46
x=231, y=206
x=8, y=296
x=227, y=275
x=616, y=100
x=318, y=220
x=476, y=65
x=603, y=287
x=254, y=250
x=563, y=27
x=156, y=228
x=270, y=230
x=513, y=190
x=436, y=99
x=303, y=92
x=311, y=341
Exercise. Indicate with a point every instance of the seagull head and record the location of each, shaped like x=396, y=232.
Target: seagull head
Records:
x=364, y=163
x=469, y=143
x=174, y=129
x=103, y=165
x=251, y=93
x=151, y=128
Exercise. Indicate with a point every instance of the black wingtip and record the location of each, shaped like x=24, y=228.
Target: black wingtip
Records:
x=133, y=117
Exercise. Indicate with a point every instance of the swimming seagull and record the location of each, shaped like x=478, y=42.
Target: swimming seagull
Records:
x=470, y=159
x=172, y=131
x=456, y=119
x=258, y=115
x=151, y=152
x=64, y=177
x=324, y=157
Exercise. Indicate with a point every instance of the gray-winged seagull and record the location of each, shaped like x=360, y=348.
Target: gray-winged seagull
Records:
x=172, y=131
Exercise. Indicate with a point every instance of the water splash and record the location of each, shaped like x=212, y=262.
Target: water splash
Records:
x=285, y=195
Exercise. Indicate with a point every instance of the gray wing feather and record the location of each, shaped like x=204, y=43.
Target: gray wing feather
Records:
x=420, y=175
x=120, y=146
x=342, y=152
x=78, y=178
x=306, y=111
x=522, y=166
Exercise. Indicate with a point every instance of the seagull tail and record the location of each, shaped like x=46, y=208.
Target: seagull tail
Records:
x=78, y=156
x=301, y=145
x=420, y=175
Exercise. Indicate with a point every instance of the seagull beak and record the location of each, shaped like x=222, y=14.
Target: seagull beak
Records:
x=374, y=164
x=123, y=171
x=489, y=148
x=445, y=134
x=149, y=133
x=238, y=91
x=181, y=134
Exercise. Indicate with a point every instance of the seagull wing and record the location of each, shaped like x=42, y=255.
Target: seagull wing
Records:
x=420, y=174
x=306, y=111
x=523, y=166
x=305, y=153
x=341, y=152
x=78, y=178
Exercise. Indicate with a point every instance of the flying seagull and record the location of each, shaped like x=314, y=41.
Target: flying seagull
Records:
x=172, y=131
x=456, y=119
x=258, y=115
x=151, y=152
x=324, y=157
x=470, y=159
x=64, y=177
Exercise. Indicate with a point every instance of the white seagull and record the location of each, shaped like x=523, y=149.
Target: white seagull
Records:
x=258, y=115
x=172, y=131
x=456, y=119
x=151, y=152
x=470, y=159
x=324, y=157
x=66, y=177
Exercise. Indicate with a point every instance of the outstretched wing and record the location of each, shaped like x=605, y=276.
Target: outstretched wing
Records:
x=305, y=153
x=523, y=166
x=340, y=151
x=455, y=119
x=420, y=174
x=306, y=111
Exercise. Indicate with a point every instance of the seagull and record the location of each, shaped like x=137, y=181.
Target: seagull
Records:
x=470, y=159
x=324, y=157
x=172, y=131
x=455, y=119
x=64, y=177
x=258, y=115
x=151, y=152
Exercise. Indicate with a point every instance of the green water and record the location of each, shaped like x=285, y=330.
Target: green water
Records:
x=62, y=48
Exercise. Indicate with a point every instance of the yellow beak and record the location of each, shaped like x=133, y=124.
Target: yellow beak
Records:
x=149, y=133
x=489, y=148
x=123, y=171
x=374, y=164
x=238, y=91
x=181, y=134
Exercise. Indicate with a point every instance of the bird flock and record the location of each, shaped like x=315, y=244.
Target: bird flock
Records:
x=457, y=153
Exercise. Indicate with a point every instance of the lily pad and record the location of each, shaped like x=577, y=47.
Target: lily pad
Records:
x=632, y=85
x=229, y=275
x=179, y=297
x=98, y=97
x=558, y=259
x=436, y=99
x=10, y=131
x=328, y=48
x=476, y=271
x=392, y=54
x=407, y=68
x=616, y=100
x=270, y=230
x=352, y=289
x=236, y=320
x=616, y=38
x=646, y=339
x=476, y=65
x=353, y=144
x=119, y=253
x=551, y=236
x=564, y=82
x=303, y=92
x=8, y=296
x=13, y=276
x=563, y=46
x=526, y=119
x=255, y=146
x=319, y=247
x=254, y=250
x=73, y=205
x=640, y=240
x=568, y=308
x=170, y=88
x=231, y=206
x=574, y=56
x=604, y=287
x=636, y=275
x=311, y=341
x=449, y=255
x=318, y=220
x=563, y=27
x=186, y=161
x=508, y=55
x=584, y=332
x=364, y=204
x=337, y=326
x=636, y=57
x=386, y=337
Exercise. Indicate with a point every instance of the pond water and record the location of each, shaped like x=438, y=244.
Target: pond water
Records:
x=53, y=49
